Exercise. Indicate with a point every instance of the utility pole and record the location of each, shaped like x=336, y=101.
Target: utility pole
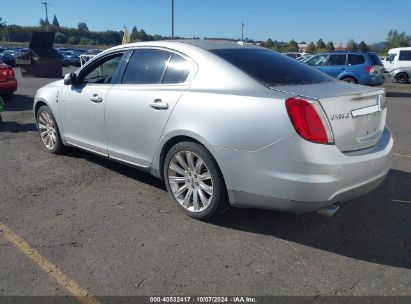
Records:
x=172, y=18
x=47, y=13
x=242, y=31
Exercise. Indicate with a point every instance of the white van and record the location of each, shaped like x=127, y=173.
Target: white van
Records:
x=398, y=58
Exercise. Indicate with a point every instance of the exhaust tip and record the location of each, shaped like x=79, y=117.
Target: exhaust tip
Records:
x=329, y=211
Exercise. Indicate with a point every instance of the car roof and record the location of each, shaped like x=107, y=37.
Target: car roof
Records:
x=200, y=43
x=346, y=52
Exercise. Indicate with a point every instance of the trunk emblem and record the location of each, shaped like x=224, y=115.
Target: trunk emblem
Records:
x=340, y=116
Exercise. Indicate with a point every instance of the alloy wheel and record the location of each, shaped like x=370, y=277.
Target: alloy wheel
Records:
x=47, y=130
x=190, y=181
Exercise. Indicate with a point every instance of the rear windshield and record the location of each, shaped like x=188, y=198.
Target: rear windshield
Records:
x=375, y=59
x=271, y=68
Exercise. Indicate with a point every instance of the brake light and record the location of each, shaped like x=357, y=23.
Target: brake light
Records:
x=309, y=120
x=369, y=69
x=7, y=72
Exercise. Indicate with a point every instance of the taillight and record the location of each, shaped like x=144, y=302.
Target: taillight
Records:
x=309, y=120
x=7, y=73
x=369, y=69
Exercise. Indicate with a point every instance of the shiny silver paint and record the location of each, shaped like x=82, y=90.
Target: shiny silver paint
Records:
x=243, y=124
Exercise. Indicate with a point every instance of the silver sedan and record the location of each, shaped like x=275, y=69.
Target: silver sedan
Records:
x=223, y=124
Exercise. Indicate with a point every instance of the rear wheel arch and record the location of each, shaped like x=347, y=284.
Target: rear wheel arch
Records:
x=172, y=142
x=350, y=79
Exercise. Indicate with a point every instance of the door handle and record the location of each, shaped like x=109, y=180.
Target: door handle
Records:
x=96, y=98
x=158, y=104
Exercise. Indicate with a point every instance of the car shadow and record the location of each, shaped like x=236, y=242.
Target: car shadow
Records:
x=375, y=228
x=117, y=167
x=19, y=103
x=17, y=127
x=398, y=94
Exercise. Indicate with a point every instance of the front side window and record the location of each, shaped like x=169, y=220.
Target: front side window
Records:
x=354, y=59
x=103, y=71
x=405, y=56
x=146, y=66
x=391, y=57
x=337, y=60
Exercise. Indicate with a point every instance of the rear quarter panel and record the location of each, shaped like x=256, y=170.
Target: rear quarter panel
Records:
x=230, y=121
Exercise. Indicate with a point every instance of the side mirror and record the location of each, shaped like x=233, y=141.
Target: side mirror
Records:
x=70, y=79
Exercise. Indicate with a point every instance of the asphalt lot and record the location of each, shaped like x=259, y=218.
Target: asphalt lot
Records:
x=115, y=231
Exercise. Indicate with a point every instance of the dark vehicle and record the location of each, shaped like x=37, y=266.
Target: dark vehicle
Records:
x=8, y=59
x=73, y=57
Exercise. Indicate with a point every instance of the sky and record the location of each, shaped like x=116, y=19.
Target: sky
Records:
x=282, y=20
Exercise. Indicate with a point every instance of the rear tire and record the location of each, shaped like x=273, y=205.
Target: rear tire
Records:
x=49, y=131
x=350, y=80
x=194, y=181
x=402, y=78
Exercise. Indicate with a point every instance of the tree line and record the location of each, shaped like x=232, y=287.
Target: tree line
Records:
x=83, y=36
x=65, y=35
x=394, y=39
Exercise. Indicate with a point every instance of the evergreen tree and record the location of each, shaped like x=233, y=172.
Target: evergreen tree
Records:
x=311, y=49
x=351, y=45
x=321, y=44
x=135, y=35
x=330, y=46
x=55, y=21
x=363, y=46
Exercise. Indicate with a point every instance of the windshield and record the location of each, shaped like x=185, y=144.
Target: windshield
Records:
x=271, y=68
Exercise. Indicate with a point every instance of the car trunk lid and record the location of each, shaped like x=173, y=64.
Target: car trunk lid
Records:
x=356, y=113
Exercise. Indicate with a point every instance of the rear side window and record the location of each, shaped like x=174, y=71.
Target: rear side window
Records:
x=271, y=68
x=375, y=59
x=405, y=56
x=337, y=60
x=177, y=70
x=354, y=59
x=146, y=67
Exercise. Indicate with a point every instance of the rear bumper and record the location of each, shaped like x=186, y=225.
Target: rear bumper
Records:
x=377, y=80
x=8, y=86
x=299, y=176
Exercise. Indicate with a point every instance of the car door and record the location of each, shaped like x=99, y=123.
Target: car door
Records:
x=139, y=106
x=82, y=104
x=335, y=65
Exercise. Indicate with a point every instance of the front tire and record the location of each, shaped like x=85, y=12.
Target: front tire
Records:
x=402, y=78
x=48, y=130
x=194, y=180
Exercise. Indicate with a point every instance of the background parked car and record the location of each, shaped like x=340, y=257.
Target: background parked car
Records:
x=294, y=55
x=7, y=59
x=398, y=58
x=356, y=67
x=8, y=83
x=73, y=57
x=401, y=75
